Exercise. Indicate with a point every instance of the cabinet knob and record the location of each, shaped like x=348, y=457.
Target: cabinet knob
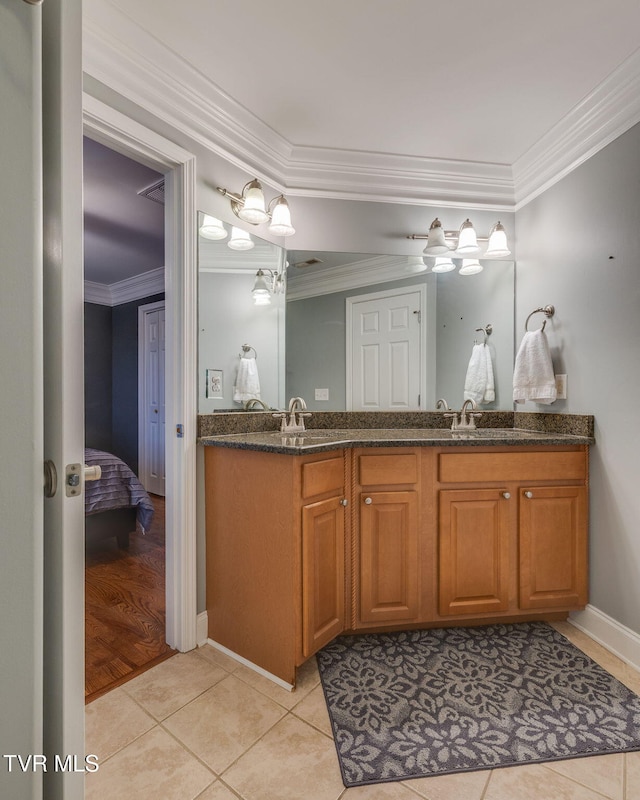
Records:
x=344, y=502
x=528, y=494
x=368, y=501
x=506, y=495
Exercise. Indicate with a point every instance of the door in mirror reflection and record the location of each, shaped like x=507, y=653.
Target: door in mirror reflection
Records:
x=384, y=362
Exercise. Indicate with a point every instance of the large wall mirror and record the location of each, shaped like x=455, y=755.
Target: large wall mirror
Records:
x=302, y=339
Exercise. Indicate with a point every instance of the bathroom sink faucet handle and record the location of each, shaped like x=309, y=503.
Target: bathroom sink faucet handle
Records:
x=453, y=416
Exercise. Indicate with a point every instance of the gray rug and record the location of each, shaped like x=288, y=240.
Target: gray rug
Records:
x=420, y=703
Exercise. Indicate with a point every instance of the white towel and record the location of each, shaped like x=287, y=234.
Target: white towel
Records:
x=533, y=377
x=247, y=381
x=479, y=384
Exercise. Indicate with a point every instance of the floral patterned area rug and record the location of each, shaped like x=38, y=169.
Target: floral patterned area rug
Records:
x=420, y=703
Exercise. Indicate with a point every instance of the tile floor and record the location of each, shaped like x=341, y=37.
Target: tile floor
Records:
x=200, y=725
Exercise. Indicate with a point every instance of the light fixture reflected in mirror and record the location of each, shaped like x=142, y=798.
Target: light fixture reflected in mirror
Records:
x=267, y=283
x=470, y=266
x=250, y=206
x=416, y=264
x=212, y=228
x=443, y=264
x=240, y=240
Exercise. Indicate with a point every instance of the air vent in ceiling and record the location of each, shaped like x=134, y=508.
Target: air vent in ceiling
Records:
x=308, y=263
x=154, y=192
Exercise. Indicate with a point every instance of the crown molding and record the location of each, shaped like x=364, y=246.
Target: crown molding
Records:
x=367, y=272
x=612, y=108
x=127, y=59
x=212, y=257
x=136, y=288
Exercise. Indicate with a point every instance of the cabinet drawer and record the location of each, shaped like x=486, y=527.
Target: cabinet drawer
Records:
x=389, y=469
x=521, y=467
x=323, y=476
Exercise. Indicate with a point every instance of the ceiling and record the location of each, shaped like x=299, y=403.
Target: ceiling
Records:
x=404, y=89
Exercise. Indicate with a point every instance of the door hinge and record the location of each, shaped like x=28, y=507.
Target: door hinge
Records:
x=180, y=430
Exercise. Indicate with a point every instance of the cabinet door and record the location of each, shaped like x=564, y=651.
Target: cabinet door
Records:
x=323, y=589
x=388, y=579
x=473, y=565
x=553, y=547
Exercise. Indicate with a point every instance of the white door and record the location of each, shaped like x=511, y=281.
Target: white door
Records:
x=41, y=398
x=21, y=400
x=151, y=370
x=63, y=393
x=385, y=363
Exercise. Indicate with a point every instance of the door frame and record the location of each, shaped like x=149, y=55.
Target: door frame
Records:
x=117, y=131
x=143, y=449
x=425, y=354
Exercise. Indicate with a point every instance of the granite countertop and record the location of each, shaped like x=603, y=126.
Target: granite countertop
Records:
x=320, y=439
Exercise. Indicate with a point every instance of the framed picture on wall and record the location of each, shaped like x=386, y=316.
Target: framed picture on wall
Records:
x=214, y=384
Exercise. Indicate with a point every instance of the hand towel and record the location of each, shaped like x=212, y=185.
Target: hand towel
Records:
x=533, y=377
x=247, y=382
x=479, y=384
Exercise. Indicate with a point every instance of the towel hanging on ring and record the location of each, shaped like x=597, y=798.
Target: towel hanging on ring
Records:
x=247, y=385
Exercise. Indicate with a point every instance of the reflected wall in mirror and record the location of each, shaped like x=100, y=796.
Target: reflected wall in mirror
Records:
x=318, y=285
x=228, y=318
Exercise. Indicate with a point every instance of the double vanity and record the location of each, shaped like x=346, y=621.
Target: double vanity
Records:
x=382, y=521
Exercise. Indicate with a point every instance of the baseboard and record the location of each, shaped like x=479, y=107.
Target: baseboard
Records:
x=620, y=640
x=202, y=628
x=245, y=662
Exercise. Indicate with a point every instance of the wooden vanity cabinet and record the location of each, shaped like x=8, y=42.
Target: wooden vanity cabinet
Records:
x=520, y=545
x=275, y=554
x=386, y=571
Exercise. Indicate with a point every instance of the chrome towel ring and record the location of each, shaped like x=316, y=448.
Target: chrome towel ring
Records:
x=548, y=311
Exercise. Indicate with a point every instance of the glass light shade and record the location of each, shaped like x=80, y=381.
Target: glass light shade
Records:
x=260, y=292
x=470, y=266
x=416, y=264
x=253, y=210
x=467, y=240
x=240, y=240
x=443, y=265
x=281, y=219
x=498, y=242
x=212, y=228
x=436, y=244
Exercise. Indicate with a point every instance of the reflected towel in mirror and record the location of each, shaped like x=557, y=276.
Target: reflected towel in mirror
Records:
x=479, y=384
x=247, y=381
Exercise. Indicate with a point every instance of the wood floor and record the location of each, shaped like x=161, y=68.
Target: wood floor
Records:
x=125, y=607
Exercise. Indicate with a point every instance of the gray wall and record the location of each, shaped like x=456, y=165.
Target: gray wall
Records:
x=98, y=379
x=579, y=248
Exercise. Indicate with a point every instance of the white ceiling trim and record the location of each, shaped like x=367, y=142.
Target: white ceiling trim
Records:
x=136, y=288
x=604, y=114
x=379, y=269
x=122, y=55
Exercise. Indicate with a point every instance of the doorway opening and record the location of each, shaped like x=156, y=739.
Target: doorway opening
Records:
x=125, y=567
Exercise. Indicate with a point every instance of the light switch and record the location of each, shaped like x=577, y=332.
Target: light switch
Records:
x=322, y=394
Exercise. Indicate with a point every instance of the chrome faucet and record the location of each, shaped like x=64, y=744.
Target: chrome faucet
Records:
x=293, y=419
x=468, y=418
x=465, y=420
x=254, y=401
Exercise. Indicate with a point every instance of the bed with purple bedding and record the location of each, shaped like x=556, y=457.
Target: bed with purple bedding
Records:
x=117, y=502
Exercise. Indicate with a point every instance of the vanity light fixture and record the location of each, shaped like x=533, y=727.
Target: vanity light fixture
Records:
x=240, y=240
x=212, y=228
x=250, y=207
x=464, y=241
x=265, y=286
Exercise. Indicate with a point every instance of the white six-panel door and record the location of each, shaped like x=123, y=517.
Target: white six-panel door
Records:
x=151, y=326
x=385, y=361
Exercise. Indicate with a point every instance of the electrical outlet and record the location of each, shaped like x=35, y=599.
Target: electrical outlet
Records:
x=561, y=387
x=322, y=394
